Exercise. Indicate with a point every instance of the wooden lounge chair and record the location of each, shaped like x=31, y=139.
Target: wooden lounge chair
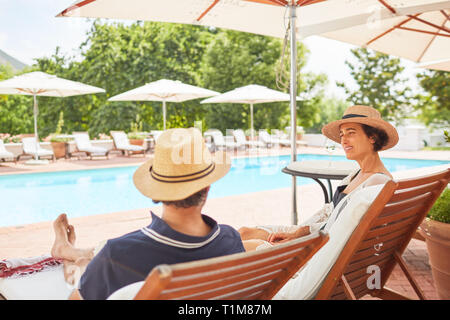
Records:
x=381, y=238
x=122, y=143
x=249, y=275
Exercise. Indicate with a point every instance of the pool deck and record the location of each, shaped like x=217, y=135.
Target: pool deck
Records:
x=259, y=208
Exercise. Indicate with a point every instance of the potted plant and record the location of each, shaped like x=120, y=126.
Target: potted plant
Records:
x=436, y=231
x=58, y=141
x=136, y=136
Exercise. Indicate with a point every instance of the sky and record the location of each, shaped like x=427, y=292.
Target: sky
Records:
x=29, y=29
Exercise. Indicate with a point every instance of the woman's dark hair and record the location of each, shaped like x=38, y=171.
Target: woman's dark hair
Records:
x=191, y=201
x=380, y=136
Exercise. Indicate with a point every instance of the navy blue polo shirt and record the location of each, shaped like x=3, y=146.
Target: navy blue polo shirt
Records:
x=130, y=258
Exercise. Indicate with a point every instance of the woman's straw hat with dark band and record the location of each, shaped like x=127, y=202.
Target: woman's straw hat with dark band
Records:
x=364, y=115
x=182, y=165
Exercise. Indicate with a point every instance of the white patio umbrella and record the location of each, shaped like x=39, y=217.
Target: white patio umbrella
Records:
x=166, y=91
x=423, y=36
x=251, y=94
x=42, y=84
x=265, y=17
x=443, y=65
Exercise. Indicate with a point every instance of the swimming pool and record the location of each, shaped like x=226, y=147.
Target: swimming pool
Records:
x=36, y=197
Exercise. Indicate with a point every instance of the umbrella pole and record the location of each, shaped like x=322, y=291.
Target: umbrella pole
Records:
x=164, y=114
x=293, y=92
x=251, y=120
x=36, y=134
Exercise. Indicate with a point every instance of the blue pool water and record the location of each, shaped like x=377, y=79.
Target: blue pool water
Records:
x=29, y=198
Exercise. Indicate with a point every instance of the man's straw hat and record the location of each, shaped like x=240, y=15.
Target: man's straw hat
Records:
x=364, y=115
x=182, y=165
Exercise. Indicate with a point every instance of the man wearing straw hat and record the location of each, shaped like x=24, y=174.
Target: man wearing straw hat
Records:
x=179, y=176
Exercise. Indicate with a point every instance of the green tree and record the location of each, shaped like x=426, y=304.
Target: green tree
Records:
x=234, y=59
x=16, y=111
x=119, y=58
x=330, y=109
x=379, y=83
x=434, y=105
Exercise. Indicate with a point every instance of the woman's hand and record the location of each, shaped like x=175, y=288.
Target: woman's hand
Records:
x=280, y=237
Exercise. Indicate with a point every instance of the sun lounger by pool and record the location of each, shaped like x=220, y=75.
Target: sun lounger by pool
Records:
x=5, y=154
x=241, y=140
x=122, y=143
x=31, y=148
x=219, y=140
x=271, y=140
x=83, y=144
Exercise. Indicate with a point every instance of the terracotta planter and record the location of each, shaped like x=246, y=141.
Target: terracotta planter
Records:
x=59, y=149
x=137, y=142
x=437, y=237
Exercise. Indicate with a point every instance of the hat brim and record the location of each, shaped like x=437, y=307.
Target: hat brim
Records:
x=164, y=191
x=331, y=130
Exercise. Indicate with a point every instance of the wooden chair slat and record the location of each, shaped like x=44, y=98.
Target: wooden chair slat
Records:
x=367, y=262
x=392, y=208
x=367, y=243
x=403, y=194
x=363, y=271
x=413, y=182
x=381, y=230
x=399, y=216
x=225, y=262
x=247, y=268
x=387, y=247
x=219, y=280
x=217, y=292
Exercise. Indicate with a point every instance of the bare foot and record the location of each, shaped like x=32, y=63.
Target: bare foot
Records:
x=61, y=228
x=71, y=234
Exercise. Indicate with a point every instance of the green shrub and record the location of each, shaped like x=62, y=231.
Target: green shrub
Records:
x=441, y=208
x=59, y=139
x=136, y=135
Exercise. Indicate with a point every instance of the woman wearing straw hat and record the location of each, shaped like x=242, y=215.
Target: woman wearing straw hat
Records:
x=362, y=133
x=179, y=176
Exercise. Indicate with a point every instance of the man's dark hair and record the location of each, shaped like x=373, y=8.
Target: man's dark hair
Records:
x=380, y=136
x=191, y=201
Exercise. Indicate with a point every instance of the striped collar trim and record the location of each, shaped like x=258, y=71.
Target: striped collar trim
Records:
x=152, y=234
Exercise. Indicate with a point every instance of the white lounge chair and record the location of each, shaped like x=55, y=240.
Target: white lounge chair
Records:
x=156, y=134
x=122, y=143
x=271, y=140
x=84, y=145
x=219, y=140
x=5, y=154
x=240, y=139
x=31, y=148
